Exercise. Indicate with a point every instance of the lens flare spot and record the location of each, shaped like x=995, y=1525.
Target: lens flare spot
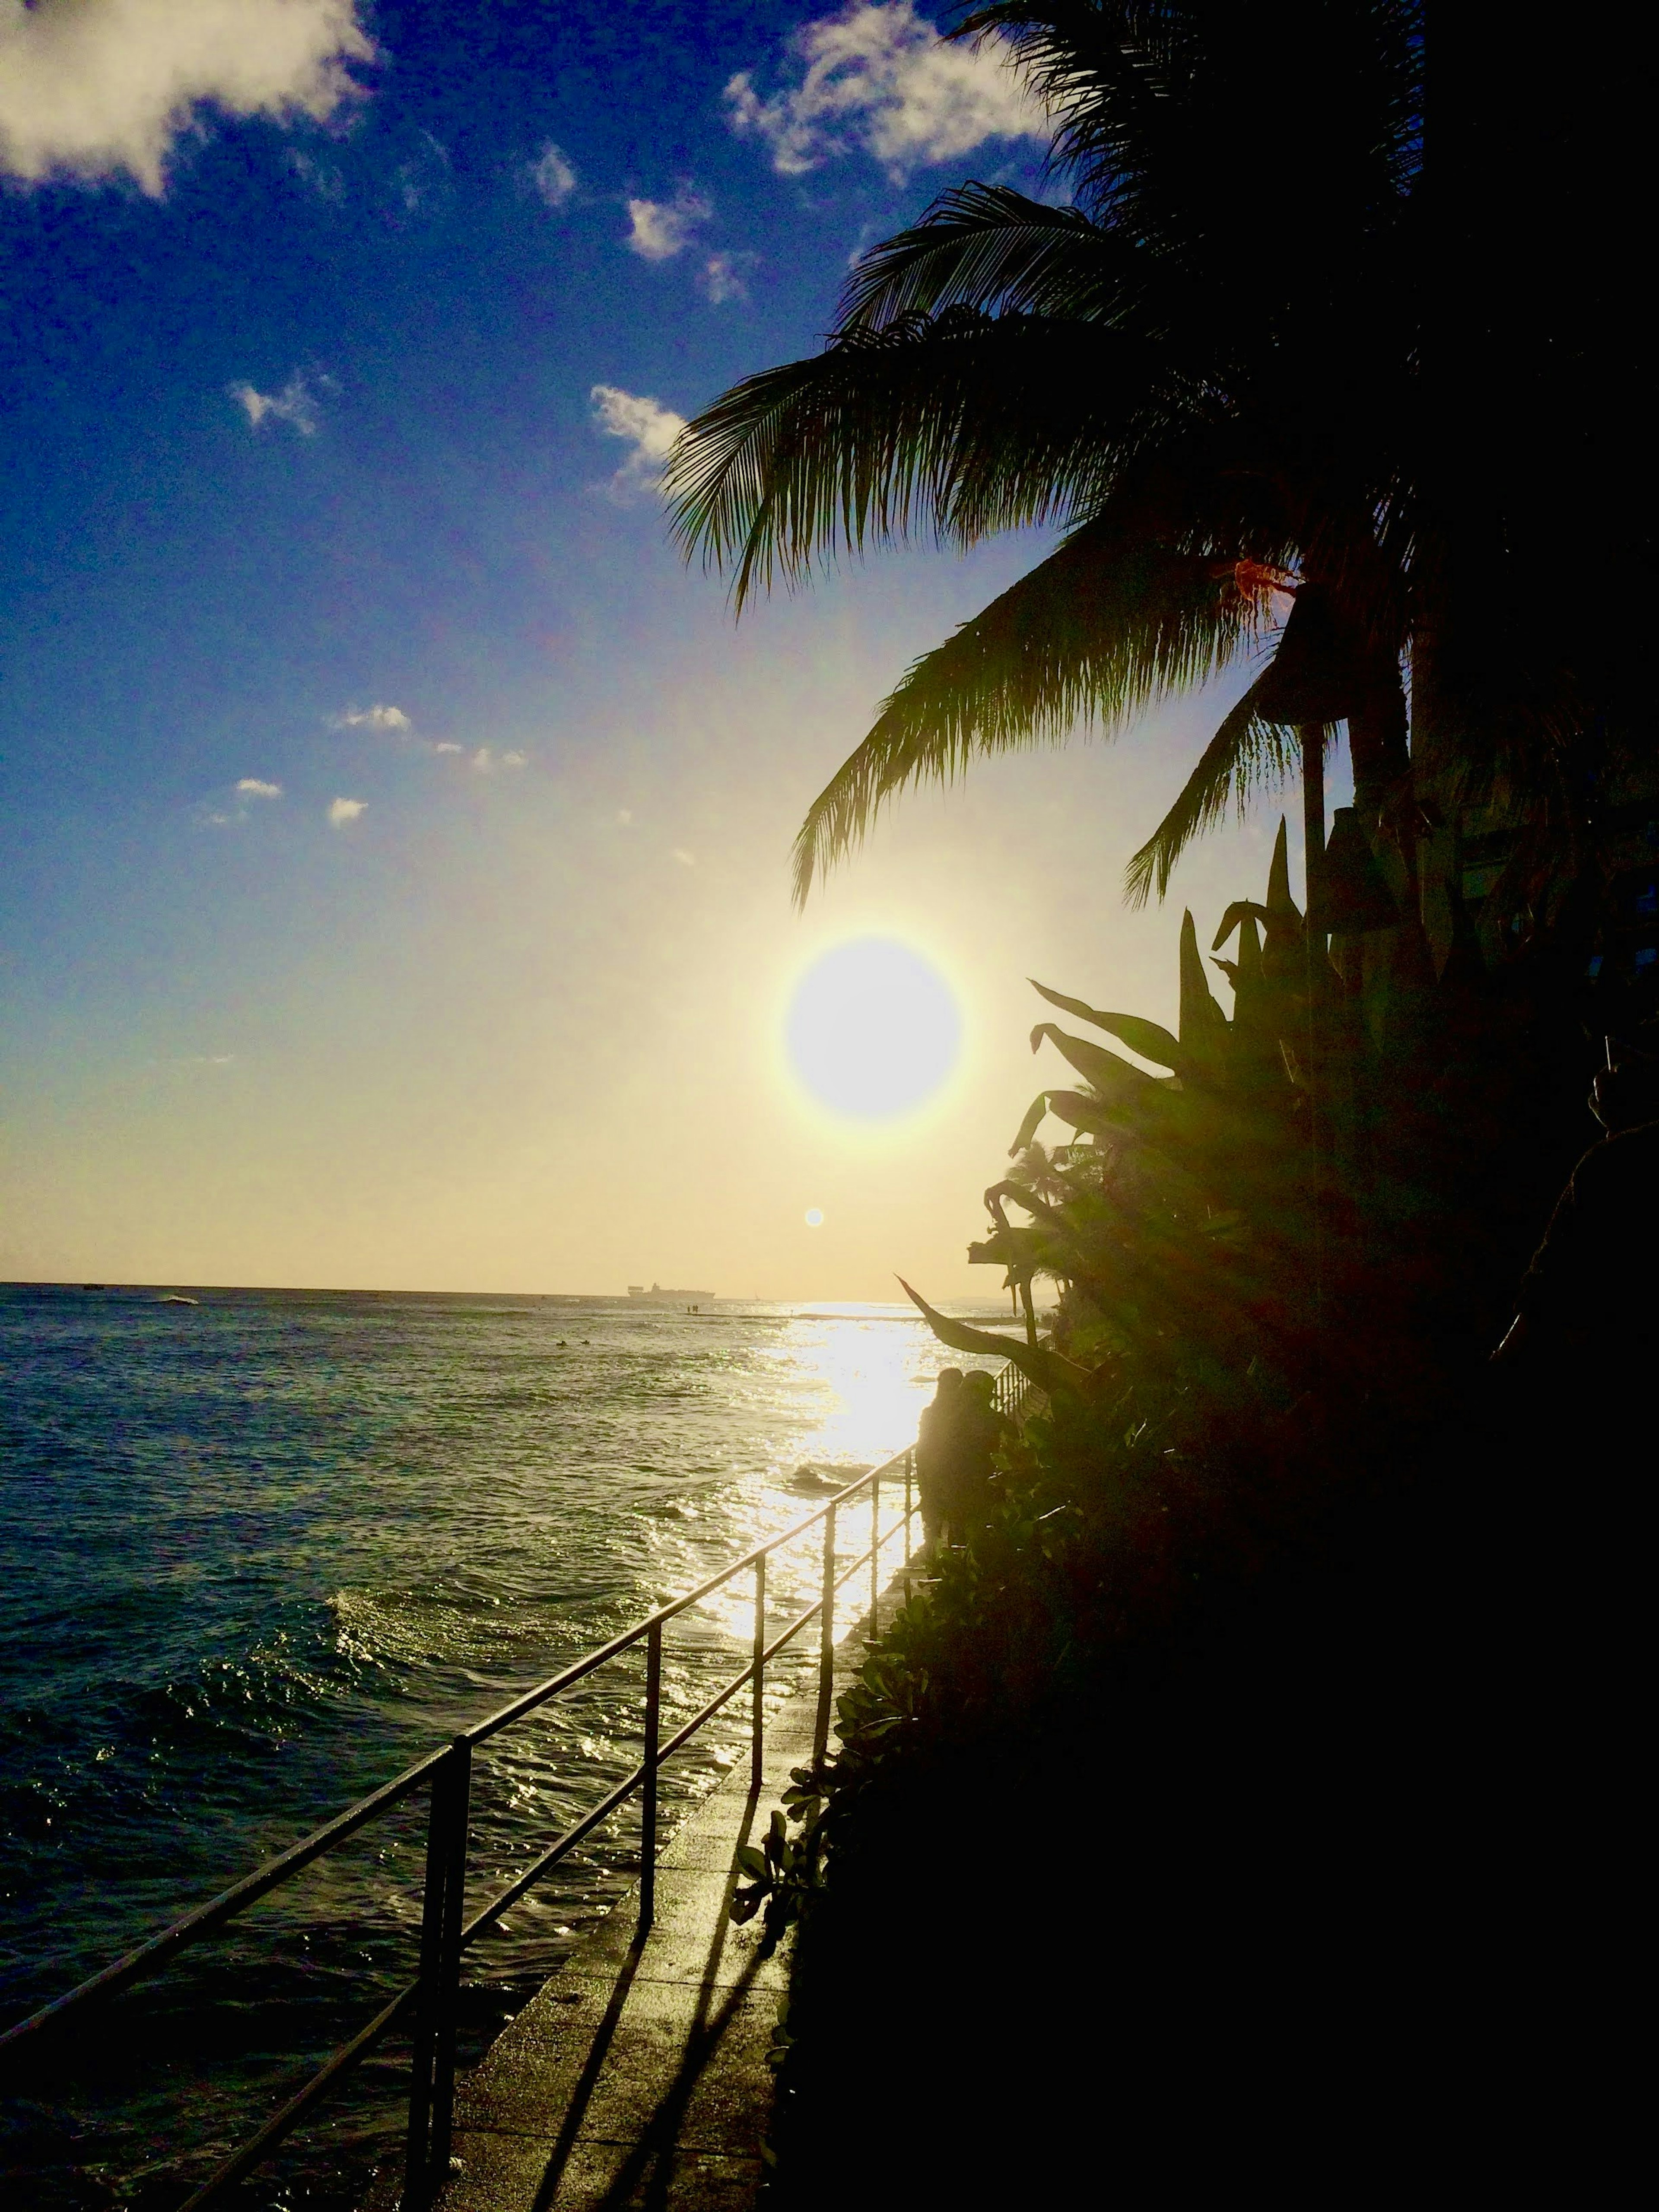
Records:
x=815, y=1217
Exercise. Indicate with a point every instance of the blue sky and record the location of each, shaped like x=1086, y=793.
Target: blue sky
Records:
x=393, y=886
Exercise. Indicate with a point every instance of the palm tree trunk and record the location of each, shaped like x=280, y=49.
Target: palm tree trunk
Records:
x=1378, y=744
x=1313, y=736
x=1380, y=755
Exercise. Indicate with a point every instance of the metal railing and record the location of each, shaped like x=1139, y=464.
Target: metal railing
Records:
x=431, y=2001
x=1014, y=1397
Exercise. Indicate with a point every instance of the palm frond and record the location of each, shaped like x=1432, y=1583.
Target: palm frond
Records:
x=963, y=423
x=1160, y=112
x=1104, y=625
x=1246, y=752
x=985, y=246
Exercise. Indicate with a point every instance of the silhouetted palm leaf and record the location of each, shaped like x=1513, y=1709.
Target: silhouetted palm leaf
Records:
x=1124, y=366
x=1246, y=753
x=985, y=246
x=961, y=424
x=1106, y=624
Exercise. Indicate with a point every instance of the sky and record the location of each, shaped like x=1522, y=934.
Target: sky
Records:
x=394, y=831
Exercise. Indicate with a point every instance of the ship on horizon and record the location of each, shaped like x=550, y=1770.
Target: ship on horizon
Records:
x=656, y=1296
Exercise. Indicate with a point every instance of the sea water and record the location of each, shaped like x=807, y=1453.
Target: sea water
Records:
x=259, y=1552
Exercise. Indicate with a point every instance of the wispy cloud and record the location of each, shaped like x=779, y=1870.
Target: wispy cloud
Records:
x=554, y=177
x=323, y=177
x=234, y=805
x=342, y=812
x=686, y=860
x=295, y=405
x=382, y=721
x=725, y=276
x=96, y=88
x=645, y=424
x=373, y=718
x=878, y=78
x=658, y=229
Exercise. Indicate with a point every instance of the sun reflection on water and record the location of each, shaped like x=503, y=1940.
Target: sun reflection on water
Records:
x=858, y=1377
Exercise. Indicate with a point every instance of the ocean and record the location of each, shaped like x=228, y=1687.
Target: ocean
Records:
x=259, y=1552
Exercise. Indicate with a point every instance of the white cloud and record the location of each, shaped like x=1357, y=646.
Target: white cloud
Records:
x=342, y=812
x=232, y=808
x=725, y=276
x=449, y=746
x=625, y=816
x=649, y=427
x=295, y=403
x=553, y=176
x=878, y=76
x=373, y=718
x=515, y=760
x=658, y=229
x=89, y=88
x=686, y=860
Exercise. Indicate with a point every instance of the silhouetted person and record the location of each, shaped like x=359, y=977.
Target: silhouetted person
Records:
x=1586, y=1334
x=935, y=1451
x=979, y=1432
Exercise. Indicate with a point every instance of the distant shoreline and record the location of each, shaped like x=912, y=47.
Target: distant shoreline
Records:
x=828, y=1307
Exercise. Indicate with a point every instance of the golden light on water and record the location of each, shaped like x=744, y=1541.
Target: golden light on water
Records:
x=873, y=1030
x=863, y=1377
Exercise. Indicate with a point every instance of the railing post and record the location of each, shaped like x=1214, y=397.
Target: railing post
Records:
x=648, y=1794
x=826, y=1636
x=875, y=1556
x=432, y=2086
x=758, y=1726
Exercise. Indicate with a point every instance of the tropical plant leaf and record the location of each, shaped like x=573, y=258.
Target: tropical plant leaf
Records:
x=1240, y=912
x=1282, y=911
x=1149, y=1040
x=1037, y=1363
x=1117, y=1079
x=1091, y=1114
x=1033, y=1121
x=1033, y=1205
x=1016, y=1249
x=1203, y=1025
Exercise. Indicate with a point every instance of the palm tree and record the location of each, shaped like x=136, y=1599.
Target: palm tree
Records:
x=1202, y=370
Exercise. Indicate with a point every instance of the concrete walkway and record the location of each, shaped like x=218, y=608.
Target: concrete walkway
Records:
x=638, y=2075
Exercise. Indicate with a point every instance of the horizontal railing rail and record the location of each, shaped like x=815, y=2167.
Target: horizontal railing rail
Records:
x=432, y=1999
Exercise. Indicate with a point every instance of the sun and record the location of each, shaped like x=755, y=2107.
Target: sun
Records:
x=873, y=1030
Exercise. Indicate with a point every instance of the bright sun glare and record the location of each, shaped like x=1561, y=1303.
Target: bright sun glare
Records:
x=874, y=1028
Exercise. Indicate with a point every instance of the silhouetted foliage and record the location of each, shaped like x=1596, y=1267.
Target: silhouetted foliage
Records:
x=1283, y=349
